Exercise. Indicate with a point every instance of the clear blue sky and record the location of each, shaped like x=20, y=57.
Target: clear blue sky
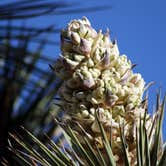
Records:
x=138, y=26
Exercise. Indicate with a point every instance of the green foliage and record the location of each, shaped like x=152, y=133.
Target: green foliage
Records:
x=150, y=151
x=26, y=87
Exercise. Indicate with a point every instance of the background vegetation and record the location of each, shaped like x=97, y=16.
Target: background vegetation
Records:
x=26, y=86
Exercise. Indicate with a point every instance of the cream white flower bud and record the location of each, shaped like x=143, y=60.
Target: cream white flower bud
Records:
x=97, y=58
x=66, y=45
x=75, y=38
x=92, y=111
x=93, y=100
x=85, y=46
x=90, y=62
x=91, y=118
x=86, y=21
x=71, y=63
x=78, y=58
x=105, y=61
x=82, y=106
x=83, y=30
x=78, y=115
x=73, y=25
x=85, y=113
x=95, y=127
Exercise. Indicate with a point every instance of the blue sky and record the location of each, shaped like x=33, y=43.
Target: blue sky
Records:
x=138, y=26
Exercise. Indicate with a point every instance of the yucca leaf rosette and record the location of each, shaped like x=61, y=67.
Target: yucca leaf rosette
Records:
x=96, y=78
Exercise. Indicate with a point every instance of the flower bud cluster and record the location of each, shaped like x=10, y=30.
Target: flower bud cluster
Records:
x=97, y=78
x=94, y=72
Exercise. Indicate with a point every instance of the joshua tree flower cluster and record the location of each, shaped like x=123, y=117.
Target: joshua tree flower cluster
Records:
x=96, y=78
